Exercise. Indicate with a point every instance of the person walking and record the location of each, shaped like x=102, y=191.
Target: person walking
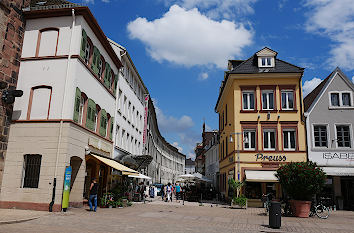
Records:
x=178, y=192
x=168, y=191
x=93, y=194
x=172, y=191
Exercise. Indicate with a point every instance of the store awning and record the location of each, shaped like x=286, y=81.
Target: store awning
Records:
x=339, y=171
x=140, y=176
x=260, y=176
x=114, y=164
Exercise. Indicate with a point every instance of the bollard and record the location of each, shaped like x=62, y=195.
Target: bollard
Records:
x=275, y=214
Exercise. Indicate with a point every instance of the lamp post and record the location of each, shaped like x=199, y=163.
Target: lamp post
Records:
x=238, y=151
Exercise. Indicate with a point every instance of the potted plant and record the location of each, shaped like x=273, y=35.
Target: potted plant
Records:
x=237, y=199
x=301, y=181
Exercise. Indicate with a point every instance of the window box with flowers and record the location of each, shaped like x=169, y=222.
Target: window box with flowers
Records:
x=301, y=181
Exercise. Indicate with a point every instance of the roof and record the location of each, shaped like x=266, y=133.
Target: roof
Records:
x=51, y=4
x=311, y=98
x=250, y=66
x=190, y=162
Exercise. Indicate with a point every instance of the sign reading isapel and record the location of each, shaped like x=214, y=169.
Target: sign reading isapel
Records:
x=145, y=121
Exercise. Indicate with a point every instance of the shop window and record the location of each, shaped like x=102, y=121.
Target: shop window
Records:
x=320, y=135
x=249, y=139
x=287, y=100
x=48, y=41
x=39, y=103
x=248, y=100
x=343, y=136
x=289, y=139
x=31, y=170
x=269, y=139
x=253, y=190
x=268, y=100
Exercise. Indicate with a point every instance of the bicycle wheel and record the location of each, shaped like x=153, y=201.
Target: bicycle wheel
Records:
x=322, y=211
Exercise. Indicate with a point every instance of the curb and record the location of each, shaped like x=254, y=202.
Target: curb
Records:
x=18, y=220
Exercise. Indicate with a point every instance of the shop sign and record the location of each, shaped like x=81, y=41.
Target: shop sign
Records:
x=333, y=158
x=275, y=158
x=66, y=192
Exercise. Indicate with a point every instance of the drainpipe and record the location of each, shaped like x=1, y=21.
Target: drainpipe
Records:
x=62, y=112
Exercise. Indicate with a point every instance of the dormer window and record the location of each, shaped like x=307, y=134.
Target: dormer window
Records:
x=266, y=61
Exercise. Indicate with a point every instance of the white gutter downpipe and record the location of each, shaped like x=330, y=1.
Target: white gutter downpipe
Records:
x=62, y=111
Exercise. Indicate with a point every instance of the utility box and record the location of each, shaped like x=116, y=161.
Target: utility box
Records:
x=275, y=214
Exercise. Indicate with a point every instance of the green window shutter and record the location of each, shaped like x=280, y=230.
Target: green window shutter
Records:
x=115, y=83
x=96, y=56
x=91, y=109
x=107, y=75
x=111, y=130
x=103, y=124
x=83, y=43
x=77, y=105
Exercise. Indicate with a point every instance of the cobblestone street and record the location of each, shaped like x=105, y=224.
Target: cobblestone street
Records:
x=173, y=217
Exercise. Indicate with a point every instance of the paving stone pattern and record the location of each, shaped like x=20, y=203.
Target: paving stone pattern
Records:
x=173, y=217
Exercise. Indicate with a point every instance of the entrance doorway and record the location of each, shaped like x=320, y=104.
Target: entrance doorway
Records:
x=348, y=192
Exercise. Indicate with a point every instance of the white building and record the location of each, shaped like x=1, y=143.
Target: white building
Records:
x=189, y=167
x=212, y=160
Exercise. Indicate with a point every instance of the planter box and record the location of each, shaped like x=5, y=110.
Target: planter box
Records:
x=235, y=206
x=300, y=208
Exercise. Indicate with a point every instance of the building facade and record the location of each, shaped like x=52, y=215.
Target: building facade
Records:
x=329, y=111
x=260, y=122
x=68, y=75
x=12, y=26
x=212, y=160
x=189, y=167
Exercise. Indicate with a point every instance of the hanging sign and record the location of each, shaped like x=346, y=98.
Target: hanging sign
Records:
x=145, y=121
x=66, y=191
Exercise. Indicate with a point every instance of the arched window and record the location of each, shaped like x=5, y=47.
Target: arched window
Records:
x=97, y=118
x=47, y=42
x=39, y=102
x=31, y=170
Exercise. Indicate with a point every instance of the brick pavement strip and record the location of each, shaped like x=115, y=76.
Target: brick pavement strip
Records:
x=173, y=217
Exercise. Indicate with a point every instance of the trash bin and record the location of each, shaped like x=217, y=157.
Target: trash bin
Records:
x=274, y=214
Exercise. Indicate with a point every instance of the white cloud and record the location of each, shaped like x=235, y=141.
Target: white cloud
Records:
x=218, y=8
x=189, y=38
x=334, y=19
x=175, y=144
x=309, y=85
x=203, y=76
x=353, y=79
x=171, y=123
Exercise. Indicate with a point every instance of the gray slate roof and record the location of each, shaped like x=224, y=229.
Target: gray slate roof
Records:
x=250, y=66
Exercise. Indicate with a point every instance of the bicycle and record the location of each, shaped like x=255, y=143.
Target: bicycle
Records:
x=266, y=199
x=286, y=210
x=319, y=209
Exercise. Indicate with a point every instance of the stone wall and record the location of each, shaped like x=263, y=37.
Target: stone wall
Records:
x=11, y=36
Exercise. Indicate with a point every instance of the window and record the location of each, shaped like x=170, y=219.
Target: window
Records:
x=249, y=139
x=268, y=100
x=248, y=100
x=117, y=142
x=287, y=100
x=341, y=99
x=81, y=109
x=39, y=103
x=335, y=99
x=265, y=62
x=346, y=99
x=87, y=52
x=31, y=170
x=100, y=67
x=343, y=136
x=48, y=42
x=320, y=135
x=119, y=100
x=289, y=139
x=269, y=139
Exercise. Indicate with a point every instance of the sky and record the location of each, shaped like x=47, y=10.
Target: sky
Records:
x=181, y=48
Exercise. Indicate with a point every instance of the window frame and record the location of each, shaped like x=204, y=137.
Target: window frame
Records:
x=249, y=89
x=289, y=129
x=327, y=135
x=265, y=59
x=40, y=37
x=249, y=130
x=350, y=135
x=288, y=88
x=340, y=99
x=24, y=168
x=30, y=101
x=268, y=89
x=266, y=128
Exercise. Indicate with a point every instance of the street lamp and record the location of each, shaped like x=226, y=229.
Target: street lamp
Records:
x=238, y=151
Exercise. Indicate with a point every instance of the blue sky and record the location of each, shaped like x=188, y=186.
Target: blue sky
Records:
x=181, y=48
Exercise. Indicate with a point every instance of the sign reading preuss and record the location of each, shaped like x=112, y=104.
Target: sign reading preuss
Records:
x=275, y=158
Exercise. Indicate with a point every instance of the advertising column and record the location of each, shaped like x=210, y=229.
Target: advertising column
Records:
x=66, y=191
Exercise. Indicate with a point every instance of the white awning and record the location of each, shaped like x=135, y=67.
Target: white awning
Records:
x=260, y=176
x=339, y=171
x=140, y=176
x=114, y=164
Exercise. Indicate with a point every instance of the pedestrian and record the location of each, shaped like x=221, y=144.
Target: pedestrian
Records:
x=169, y=191
x=172, y=191
x=166, y=193
x=178, y=191
x=162, y=192
x=93, y=194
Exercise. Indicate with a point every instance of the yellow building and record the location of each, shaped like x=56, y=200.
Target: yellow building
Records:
x=261, y=123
